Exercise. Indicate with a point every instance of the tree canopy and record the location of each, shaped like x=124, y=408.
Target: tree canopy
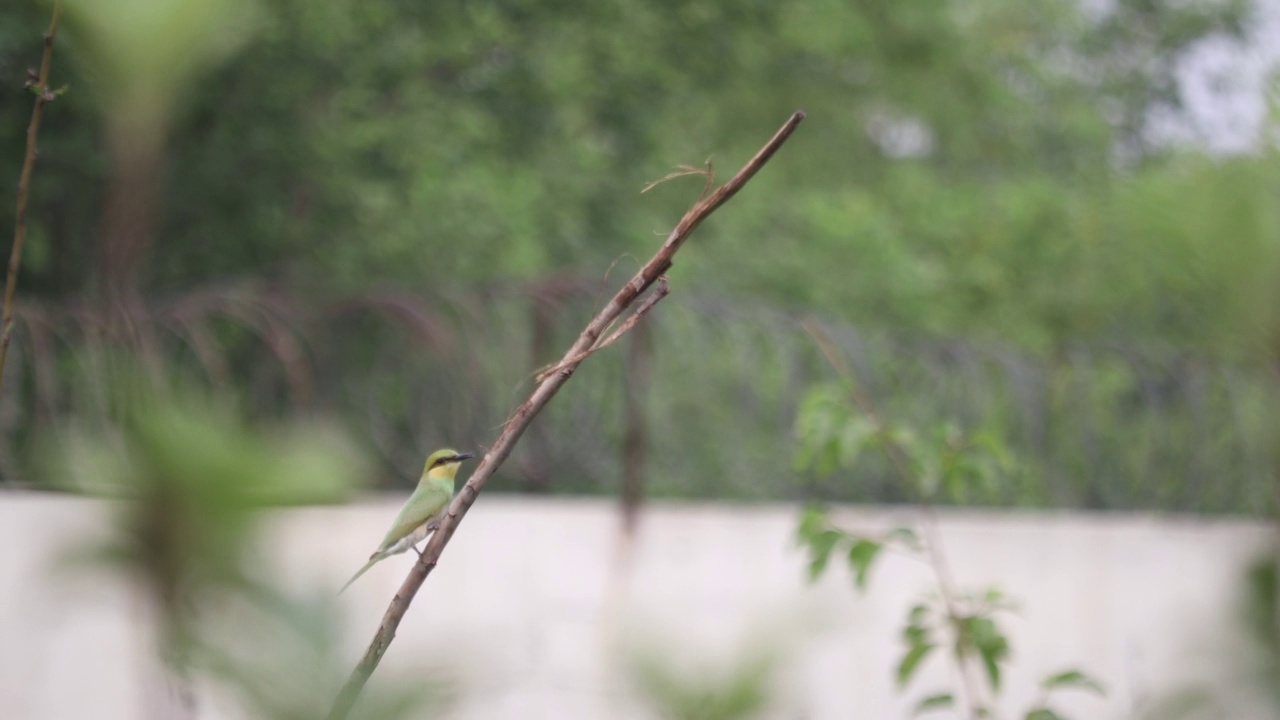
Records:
x=983, y=170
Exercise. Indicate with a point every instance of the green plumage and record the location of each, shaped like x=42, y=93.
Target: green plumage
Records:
x=422, y=511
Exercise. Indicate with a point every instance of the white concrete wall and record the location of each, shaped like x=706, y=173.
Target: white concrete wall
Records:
x=531, y=606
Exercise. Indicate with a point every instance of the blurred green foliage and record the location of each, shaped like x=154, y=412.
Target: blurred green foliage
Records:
x=388, y=141
x=190, y=481
x=963, y=624
x=1244, y=678
x=194, y=479
x=976, y=170
x=739, y=691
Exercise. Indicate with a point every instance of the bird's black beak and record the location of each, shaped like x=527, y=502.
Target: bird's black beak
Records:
x=462, y=456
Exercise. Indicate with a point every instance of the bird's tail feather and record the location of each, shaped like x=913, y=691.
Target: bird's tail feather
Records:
x=373, y=560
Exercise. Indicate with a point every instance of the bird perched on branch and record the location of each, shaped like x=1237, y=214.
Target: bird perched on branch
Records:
x=421, y=513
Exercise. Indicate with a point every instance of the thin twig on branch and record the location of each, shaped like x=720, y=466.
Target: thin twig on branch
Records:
x=524, y=414
x=653, y=299
x=707, y=172
x=40, y=86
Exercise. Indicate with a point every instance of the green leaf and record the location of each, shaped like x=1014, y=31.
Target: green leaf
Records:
x=917, y=614
x=916, y=635
x=854, y=436
x=861, y=555
x=812, y=521
x=994, y=599
x=821, y=544
x=906, y=537
x=934, y=702
x=1042, y=713
x=831, y=434
x=982, y=635
x=993, y=670
x=911, y=661
x=1073, y=679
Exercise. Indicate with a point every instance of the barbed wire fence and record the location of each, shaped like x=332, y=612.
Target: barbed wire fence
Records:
x=701, y=405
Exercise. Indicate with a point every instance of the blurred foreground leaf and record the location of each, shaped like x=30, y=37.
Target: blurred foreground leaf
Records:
x=1073, y=679
x=188, y=481
x=741, y=690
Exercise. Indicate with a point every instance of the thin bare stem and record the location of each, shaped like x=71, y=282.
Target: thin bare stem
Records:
x=43, y=95
x=524, y=414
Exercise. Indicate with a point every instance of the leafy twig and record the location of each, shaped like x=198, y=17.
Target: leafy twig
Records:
x=929, y=521
x=524, y=414
x=40, y=87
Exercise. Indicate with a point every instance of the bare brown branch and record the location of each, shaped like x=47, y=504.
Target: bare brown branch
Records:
x=524, y=414
x=43, y=95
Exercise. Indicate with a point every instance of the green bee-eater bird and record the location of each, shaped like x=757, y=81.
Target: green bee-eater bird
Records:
x=421, y=513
